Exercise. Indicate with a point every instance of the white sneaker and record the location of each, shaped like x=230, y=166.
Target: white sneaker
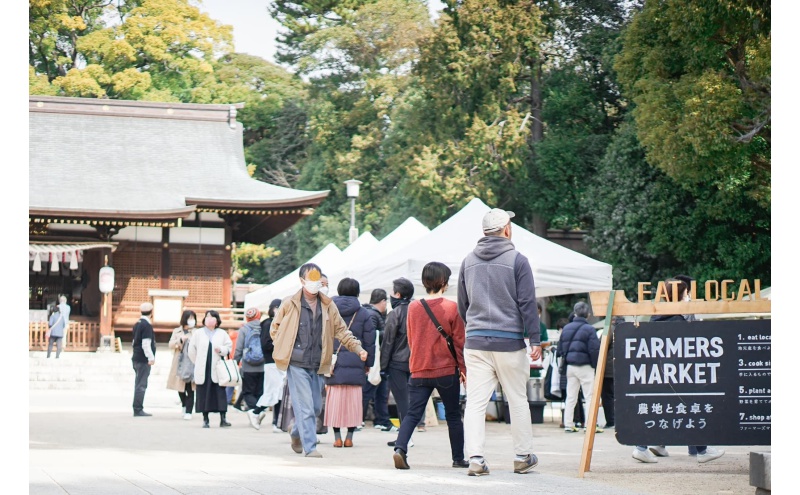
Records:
x=253, y=417
x=710, y=454
x=643, y=455
x=261, y=416
x=275, y=429
x=660, y=451
x=187, y=416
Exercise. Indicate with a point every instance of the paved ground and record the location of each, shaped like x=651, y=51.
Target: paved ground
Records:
x=88, y=443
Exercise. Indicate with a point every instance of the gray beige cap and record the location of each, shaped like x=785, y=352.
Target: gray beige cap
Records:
x=495, y=219
x=145, y=307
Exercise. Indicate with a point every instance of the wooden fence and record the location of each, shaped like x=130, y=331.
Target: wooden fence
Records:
x=82, y=336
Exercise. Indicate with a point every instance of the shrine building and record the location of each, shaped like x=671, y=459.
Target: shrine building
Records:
x=160, y=193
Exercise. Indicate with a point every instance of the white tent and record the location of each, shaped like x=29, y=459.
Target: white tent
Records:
x=290, y=283
x=404, y=235
x=556, y=269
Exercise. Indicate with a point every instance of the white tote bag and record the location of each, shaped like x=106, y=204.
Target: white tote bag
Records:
x=228, y=372
x=374, y=375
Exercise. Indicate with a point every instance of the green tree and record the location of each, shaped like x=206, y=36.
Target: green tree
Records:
x=248, y=260
x=650, y=227
x=359, y=72
x=274, y=116
x=156, y=50
x=303, y=19
x=699, y=74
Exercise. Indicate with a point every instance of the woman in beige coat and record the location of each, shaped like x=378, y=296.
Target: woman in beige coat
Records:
x=179, y=339
x=206, y=346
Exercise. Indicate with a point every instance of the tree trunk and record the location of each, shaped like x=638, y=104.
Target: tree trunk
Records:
x=538, y=224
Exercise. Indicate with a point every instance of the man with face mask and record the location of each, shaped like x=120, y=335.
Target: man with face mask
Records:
x=394, y=347
x=324, y=288
x=303, y=330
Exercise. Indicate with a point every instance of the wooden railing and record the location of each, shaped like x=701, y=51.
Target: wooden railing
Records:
x=82, y=336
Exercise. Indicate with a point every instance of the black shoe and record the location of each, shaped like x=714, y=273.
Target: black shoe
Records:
x=463, y=463
x=223, y=423
x=205, y=424
x=400, y=461
x=141, y=414
x=391, y=444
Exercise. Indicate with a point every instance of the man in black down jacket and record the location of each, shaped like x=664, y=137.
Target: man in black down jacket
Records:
x=394, y=347
x=580, y=348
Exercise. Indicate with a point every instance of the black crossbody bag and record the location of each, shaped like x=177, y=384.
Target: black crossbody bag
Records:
x=447, y=338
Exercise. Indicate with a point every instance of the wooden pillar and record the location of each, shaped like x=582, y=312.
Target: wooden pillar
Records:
x=164, y=282
x=106, y=314
x=227, y=265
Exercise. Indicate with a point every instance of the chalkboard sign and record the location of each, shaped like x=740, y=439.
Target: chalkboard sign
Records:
x=693, y=383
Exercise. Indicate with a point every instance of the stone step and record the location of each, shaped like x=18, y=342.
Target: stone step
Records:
x=100, y=371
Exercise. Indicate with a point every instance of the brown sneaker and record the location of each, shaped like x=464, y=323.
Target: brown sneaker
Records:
x=297, y=445
x=348, y=442
x=337, y=443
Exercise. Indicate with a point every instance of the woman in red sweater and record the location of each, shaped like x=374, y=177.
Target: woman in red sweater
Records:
x=433, y=364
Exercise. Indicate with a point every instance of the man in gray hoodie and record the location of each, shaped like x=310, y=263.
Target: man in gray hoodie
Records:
x=497, y=301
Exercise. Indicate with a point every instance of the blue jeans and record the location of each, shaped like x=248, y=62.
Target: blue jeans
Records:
x=419, y=391
x=379, y=394
x=305, y=390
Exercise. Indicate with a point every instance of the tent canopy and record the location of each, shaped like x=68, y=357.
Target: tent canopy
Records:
x=556, y=269
x=404, y=235
x=290, y=283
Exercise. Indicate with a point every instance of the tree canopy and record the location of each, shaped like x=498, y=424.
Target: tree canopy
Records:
x=644, y=125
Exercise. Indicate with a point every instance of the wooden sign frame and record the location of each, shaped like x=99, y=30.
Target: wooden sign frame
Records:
x=614, y=303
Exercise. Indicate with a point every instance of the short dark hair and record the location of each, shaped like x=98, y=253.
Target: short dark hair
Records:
x=275, y=304
x=682, y=287
x=377, y=296
x=215, y=315
x=435, y=276
x=348, y=287
x=562, y=322
x=539, y=305
x=308, y=267
x=185, y=317
x=404, y=287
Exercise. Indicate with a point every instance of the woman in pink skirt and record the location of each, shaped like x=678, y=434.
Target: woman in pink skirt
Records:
x=343, y=403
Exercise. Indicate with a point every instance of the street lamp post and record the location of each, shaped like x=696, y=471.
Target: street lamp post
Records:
x=352, y=193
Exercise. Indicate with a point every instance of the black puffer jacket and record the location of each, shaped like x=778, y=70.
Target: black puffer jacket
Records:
x=350, y=369
x=579, y=343
x=377, y=318
x=394, y=346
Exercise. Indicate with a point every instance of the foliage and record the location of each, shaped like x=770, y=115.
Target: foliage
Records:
x=650, y=227
x=646, y=124
x=155, y=50
x=699, y=73
x=273, y=117
x=248, y=260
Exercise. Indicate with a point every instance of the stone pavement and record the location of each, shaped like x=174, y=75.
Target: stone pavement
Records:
x=88, y=442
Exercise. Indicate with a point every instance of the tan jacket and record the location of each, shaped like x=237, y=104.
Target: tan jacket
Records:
x=287, y=320
x=174, y=382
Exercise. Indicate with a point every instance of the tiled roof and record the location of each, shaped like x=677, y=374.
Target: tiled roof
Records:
x=126, y=159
